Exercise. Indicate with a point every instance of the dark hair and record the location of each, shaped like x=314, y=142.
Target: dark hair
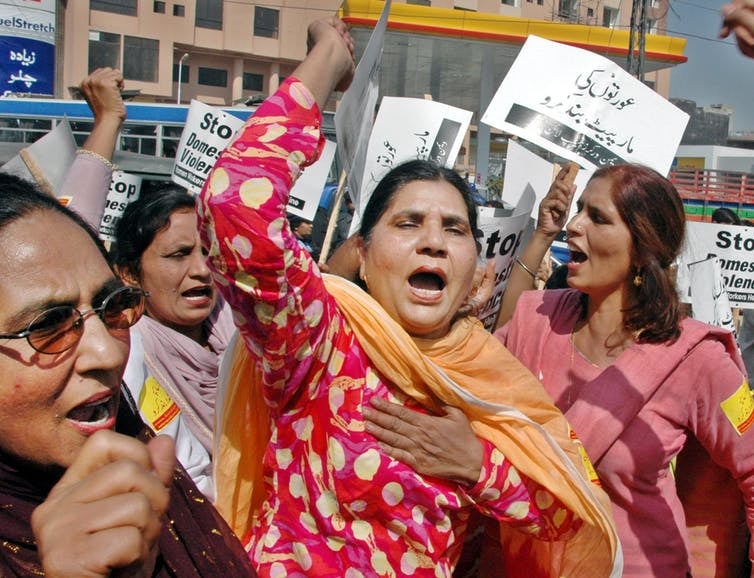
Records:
x=725, y=215
x=558, y=279
x=142, y=220
x=20, y=199
x=403, y=174
x=653, y=211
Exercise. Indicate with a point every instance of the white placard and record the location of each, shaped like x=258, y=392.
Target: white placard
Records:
x=585, y=108
x=709, y=299
x=51, y=156
x=305, y=194
x=733, y=245
x=355, y=113
x=207, y=132
x=124, y=188
x=502, y=238
x=411, y=128
x=524, y=168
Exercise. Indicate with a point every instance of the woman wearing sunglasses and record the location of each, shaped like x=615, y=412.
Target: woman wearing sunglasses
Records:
x=77, y=498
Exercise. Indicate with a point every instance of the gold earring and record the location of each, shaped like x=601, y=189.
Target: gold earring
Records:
x=638, y=280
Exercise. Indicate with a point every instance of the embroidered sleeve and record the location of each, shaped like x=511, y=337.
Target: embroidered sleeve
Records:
x=505, y=494
x=273, y=286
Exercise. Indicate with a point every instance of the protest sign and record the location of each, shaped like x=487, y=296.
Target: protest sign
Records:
x=46, y=161
x=524, y=168
x=585, y=108
x=124, y=188
x=709, y=299
x=733, y=245
x=207, y=132
x=355, y=113
x=305, y=194
x=411, y=128
x=501, y=237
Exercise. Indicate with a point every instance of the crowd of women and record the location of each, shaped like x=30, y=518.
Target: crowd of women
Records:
x=358, y=424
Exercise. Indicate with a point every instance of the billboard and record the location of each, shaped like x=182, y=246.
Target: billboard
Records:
x=27, y=47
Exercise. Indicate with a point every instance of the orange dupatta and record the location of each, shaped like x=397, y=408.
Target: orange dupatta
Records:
x=469, y=369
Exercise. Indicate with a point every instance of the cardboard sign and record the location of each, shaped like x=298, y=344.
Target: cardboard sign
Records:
x=124, y=188
x=47, y=160
x=524, y=168
x=303, y=199
x=733, y=245
x=585, y=108
x=353, y=119
x=411, y=128
x=207, y=132
x=502, y=237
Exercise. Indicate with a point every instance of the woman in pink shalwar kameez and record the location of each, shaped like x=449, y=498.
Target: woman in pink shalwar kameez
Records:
x=639, y=384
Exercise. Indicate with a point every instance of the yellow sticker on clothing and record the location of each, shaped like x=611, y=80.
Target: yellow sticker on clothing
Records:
x=588, y=466
x=739, y=408
x=157, y=407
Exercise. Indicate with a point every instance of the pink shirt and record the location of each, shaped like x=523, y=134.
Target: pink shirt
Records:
x=636, y=469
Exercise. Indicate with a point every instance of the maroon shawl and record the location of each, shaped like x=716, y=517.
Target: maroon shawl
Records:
x=196, y=541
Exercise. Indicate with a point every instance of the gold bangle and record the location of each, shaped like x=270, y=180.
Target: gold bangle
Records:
x=525, y=268
x=99, y=157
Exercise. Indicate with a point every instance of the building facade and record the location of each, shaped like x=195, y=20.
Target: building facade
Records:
x=224, y=52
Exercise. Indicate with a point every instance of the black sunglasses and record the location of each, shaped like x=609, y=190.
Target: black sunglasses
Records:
x=60, y=328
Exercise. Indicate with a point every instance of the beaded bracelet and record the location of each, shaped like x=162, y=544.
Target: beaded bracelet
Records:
x=525, y=268
x=99, y=157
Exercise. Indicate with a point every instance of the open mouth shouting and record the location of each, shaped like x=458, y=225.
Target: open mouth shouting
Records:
x=201, y=295
x=427, y=284
x=96, y=413
x=577, y=256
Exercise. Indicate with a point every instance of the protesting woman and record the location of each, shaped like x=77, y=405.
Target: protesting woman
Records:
x=100, y=503
x=300, y=474
x=637, y=382
x=180, y=342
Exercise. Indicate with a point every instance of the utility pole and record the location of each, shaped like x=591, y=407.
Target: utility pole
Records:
x=635, y=62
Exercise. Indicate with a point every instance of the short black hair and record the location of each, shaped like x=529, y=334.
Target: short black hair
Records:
x=725, y=215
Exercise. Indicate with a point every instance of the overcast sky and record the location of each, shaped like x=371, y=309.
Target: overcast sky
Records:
x=716, y=72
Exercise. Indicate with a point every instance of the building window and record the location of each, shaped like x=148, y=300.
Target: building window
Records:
x=184, y=73
x=179, y=10
x=266, y=22
x=651, y=26
x=568, y=9
x=213, y=76
x=540, y=2
x=509, y=2
x=158, y=7
x=610, y=17
x=209, y=14
x=127, y=7
x=140, y=56
x=589, y=12
x=253, y=81
x=104, y=50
